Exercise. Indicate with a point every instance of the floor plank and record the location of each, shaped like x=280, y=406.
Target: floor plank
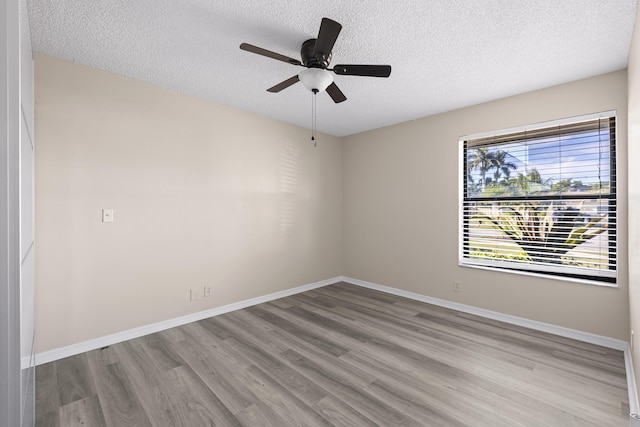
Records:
x=121, y=405
x=82, y=413
x=340, y=355
x=47, y=396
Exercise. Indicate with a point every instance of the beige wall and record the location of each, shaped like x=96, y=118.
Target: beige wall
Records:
x=634, y=192
x=203, y=195
x=400, y=210
x=208, y=195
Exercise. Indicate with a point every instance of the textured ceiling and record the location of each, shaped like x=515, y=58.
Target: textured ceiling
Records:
x=445, y=54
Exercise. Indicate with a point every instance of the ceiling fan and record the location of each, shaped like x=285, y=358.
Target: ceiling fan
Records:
x=316, y=56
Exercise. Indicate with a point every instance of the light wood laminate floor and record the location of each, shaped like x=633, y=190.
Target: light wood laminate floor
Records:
x=340, y=355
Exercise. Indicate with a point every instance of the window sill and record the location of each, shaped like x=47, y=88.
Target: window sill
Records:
x=540, y=275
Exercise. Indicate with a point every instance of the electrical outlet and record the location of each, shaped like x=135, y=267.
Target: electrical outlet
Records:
x=207, y=291
x=107, y=215
x=456, y=286
x=194, y=294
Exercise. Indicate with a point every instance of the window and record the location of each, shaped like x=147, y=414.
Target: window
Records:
x=542, y=199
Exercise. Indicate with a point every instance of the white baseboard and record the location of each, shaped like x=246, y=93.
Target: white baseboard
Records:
x=70, y=350
x=527, y=323
x=507, y=318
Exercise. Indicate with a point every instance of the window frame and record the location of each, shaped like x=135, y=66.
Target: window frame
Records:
x=464, y=260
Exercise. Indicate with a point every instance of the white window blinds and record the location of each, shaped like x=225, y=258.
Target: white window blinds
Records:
x=542, y=200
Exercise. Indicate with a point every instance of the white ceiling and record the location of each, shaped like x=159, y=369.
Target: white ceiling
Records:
x=445, y=54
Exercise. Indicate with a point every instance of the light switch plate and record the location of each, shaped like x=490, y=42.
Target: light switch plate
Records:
x=107, y=215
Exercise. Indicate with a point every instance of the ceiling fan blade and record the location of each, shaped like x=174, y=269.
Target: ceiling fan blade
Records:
x=363, y=70
x=283, y=85
x=264, y=52
x=335, y=93
x=327, y=36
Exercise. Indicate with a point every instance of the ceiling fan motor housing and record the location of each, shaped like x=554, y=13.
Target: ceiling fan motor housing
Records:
x=321, y=60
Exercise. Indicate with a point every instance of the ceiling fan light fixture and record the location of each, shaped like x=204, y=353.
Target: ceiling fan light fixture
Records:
x=315, y=79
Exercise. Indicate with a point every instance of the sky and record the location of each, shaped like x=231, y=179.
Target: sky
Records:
x=583, y=157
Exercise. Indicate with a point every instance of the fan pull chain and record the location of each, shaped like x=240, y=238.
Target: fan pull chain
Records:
x=313, y=117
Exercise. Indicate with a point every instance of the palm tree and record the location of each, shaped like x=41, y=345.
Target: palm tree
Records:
x=522, y=182
x=481, y=159
x=501, y=165
x=534, y=176
x=531, y=181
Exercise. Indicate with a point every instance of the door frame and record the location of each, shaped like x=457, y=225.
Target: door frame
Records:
x=10, y=369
